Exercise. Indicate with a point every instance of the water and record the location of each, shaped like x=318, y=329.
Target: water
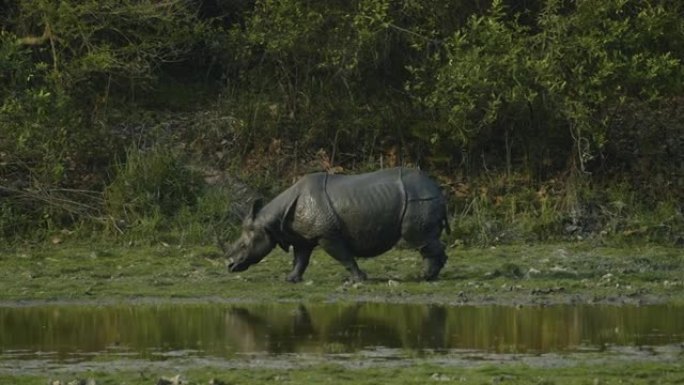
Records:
x=63, y=334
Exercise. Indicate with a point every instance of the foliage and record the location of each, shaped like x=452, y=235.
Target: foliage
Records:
x=65, y=66
x=508, y=96
x=56, y=87
x=153, y=185
x=564, y=76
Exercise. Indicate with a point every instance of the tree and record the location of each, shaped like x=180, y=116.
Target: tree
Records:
x=551, y=87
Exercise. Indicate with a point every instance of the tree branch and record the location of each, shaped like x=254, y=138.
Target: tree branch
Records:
x=37, y=40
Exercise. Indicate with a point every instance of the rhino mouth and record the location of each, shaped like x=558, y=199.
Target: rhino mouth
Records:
x=235, y=267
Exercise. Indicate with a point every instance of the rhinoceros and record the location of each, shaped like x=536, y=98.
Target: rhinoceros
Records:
x=348, y=216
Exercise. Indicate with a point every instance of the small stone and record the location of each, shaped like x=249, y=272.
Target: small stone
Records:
x=175, y=380
x=439, y=377
x=559, y=269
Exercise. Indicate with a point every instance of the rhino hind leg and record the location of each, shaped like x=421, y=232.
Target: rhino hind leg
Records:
x=339, y=250
x=299, y=263
x=421, y=228
x=435, y=258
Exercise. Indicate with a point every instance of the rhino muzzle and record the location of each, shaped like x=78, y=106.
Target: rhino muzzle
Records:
x=235, y=267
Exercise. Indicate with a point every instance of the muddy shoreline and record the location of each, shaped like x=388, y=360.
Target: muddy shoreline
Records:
x=517, y=300
x=387, y=358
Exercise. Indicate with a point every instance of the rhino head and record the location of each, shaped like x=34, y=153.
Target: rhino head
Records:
x=253, y=244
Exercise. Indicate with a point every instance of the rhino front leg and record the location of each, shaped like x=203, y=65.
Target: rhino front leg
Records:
x=299, y=263
x=339, y=250
x=435, y=258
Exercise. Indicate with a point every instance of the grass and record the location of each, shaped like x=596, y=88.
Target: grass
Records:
x=559, y=273
x=419, y=373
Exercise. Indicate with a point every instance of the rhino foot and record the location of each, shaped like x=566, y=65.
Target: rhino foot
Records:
x=431, y=276
x=432, y=270
x=294, y=278
x=356, y=277
x=434, y=259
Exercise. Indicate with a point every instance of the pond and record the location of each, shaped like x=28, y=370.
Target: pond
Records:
x=69, y=334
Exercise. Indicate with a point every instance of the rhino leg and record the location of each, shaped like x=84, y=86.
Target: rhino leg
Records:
x=435, y=258
x=339, y=250
x=299, y=263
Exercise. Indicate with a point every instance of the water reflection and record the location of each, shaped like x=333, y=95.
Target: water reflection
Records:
x=218, y=330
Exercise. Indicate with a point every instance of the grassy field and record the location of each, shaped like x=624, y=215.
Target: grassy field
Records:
x=508, y=275
x=416, y=373
x=514, y=275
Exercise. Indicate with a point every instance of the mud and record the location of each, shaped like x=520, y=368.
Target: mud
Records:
x=179, y=362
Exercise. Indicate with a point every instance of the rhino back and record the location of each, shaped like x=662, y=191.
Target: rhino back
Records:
x=370, y=208
x=366, y=210
x=419, y=186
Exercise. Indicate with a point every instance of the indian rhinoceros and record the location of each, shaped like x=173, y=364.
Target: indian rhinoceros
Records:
x=348, y=216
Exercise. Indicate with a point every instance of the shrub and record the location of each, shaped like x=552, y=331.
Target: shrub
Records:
x=150, y=185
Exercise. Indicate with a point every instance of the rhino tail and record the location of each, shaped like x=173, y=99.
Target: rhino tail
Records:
x=445, y=219
x=445, y=222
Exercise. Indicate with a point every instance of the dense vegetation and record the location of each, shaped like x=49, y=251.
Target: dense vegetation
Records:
x=542, y=118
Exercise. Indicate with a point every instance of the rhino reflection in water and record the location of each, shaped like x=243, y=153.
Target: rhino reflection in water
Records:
x=282, y=330
x=276, y=333
x=349, y=216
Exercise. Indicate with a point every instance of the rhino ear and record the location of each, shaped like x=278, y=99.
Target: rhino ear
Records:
x=289, y=214
x=257, y=204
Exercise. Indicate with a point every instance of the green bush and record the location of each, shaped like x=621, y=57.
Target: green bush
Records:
x=150, y=186
x=543, y=92
x=537, y=105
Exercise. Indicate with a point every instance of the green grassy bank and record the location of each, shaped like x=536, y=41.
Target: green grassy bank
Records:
x=585, y=372
x=525, y=274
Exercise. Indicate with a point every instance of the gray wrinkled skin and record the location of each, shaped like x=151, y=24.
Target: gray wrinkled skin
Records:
x=349, y=216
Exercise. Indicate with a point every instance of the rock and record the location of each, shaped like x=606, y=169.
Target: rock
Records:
x=439, y=377
x=175, y=380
